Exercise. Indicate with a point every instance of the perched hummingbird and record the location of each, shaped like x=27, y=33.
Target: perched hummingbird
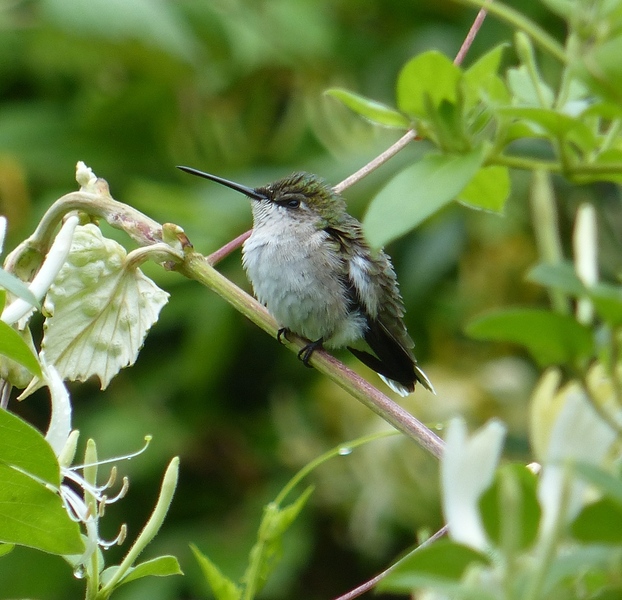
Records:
x=310, y=265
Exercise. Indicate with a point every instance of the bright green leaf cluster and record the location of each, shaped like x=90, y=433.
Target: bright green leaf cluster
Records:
x=462, y=111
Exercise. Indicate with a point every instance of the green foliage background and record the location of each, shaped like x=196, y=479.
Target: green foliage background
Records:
x=235, y=88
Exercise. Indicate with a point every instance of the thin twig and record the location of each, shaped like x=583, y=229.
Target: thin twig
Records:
x=369, y=585
x=389, y=153
x=470, y=36
x=228, y=248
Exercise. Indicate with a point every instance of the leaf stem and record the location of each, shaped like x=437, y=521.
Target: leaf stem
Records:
x=332, y=453
x=524, y=163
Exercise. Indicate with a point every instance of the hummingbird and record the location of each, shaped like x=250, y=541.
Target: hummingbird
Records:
x=310, y=265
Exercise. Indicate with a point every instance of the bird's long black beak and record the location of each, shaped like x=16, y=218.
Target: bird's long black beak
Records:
x=250, y=192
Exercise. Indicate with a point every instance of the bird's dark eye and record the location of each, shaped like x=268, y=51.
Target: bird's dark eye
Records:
x=292, y=203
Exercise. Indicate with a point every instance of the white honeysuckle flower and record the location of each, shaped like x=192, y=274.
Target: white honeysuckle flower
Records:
x=579, y=435
x=54, y=260
x=60, y=420
x=585, y=248
x=467, y=470
x=63, y=441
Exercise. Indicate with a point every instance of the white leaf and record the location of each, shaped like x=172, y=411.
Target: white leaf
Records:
x=101, y=308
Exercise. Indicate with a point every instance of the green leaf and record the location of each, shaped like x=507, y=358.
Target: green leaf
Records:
x=514, y=487
x=564, y=8
x=607, y=298
x=222, y=587
x=14, y=347
x=489, y=189
x=555, y=123
x=267, y=551
x=481, y=76
x=24, y=448
x=430, y=75
x=101, y=309
x=560, y=276
x=573, y=563
x=447, y=127
x=599, y=522
x=610, y=485
x=524, y=91
x=162, y=566
x=443, y=561
x=551, y=338
x=31, y=514
x=375, y=112
x=17, y=287
x=600, y=67
x=418, y=192
x=6, y=548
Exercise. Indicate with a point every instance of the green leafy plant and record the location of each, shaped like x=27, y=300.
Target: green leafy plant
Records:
x=511, y=533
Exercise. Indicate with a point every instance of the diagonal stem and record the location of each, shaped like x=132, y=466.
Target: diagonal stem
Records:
x=197, y=267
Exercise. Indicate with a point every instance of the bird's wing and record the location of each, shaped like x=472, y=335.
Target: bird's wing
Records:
x=373, y=290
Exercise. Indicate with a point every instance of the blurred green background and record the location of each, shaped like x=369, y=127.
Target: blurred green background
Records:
x=234, y=87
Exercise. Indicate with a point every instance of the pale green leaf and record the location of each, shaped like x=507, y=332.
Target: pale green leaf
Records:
x=561, y=276
x=564, y=8
x=222, y=587
x=485, y=66
x=372, y=110
x=418, y=192
x=525, y=91
x=101, y=309
x=6, y=548
x=488, y=189
x=481, y=77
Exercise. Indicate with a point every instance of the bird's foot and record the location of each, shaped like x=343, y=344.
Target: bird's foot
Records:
x=305, y=354
x=282, y=332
